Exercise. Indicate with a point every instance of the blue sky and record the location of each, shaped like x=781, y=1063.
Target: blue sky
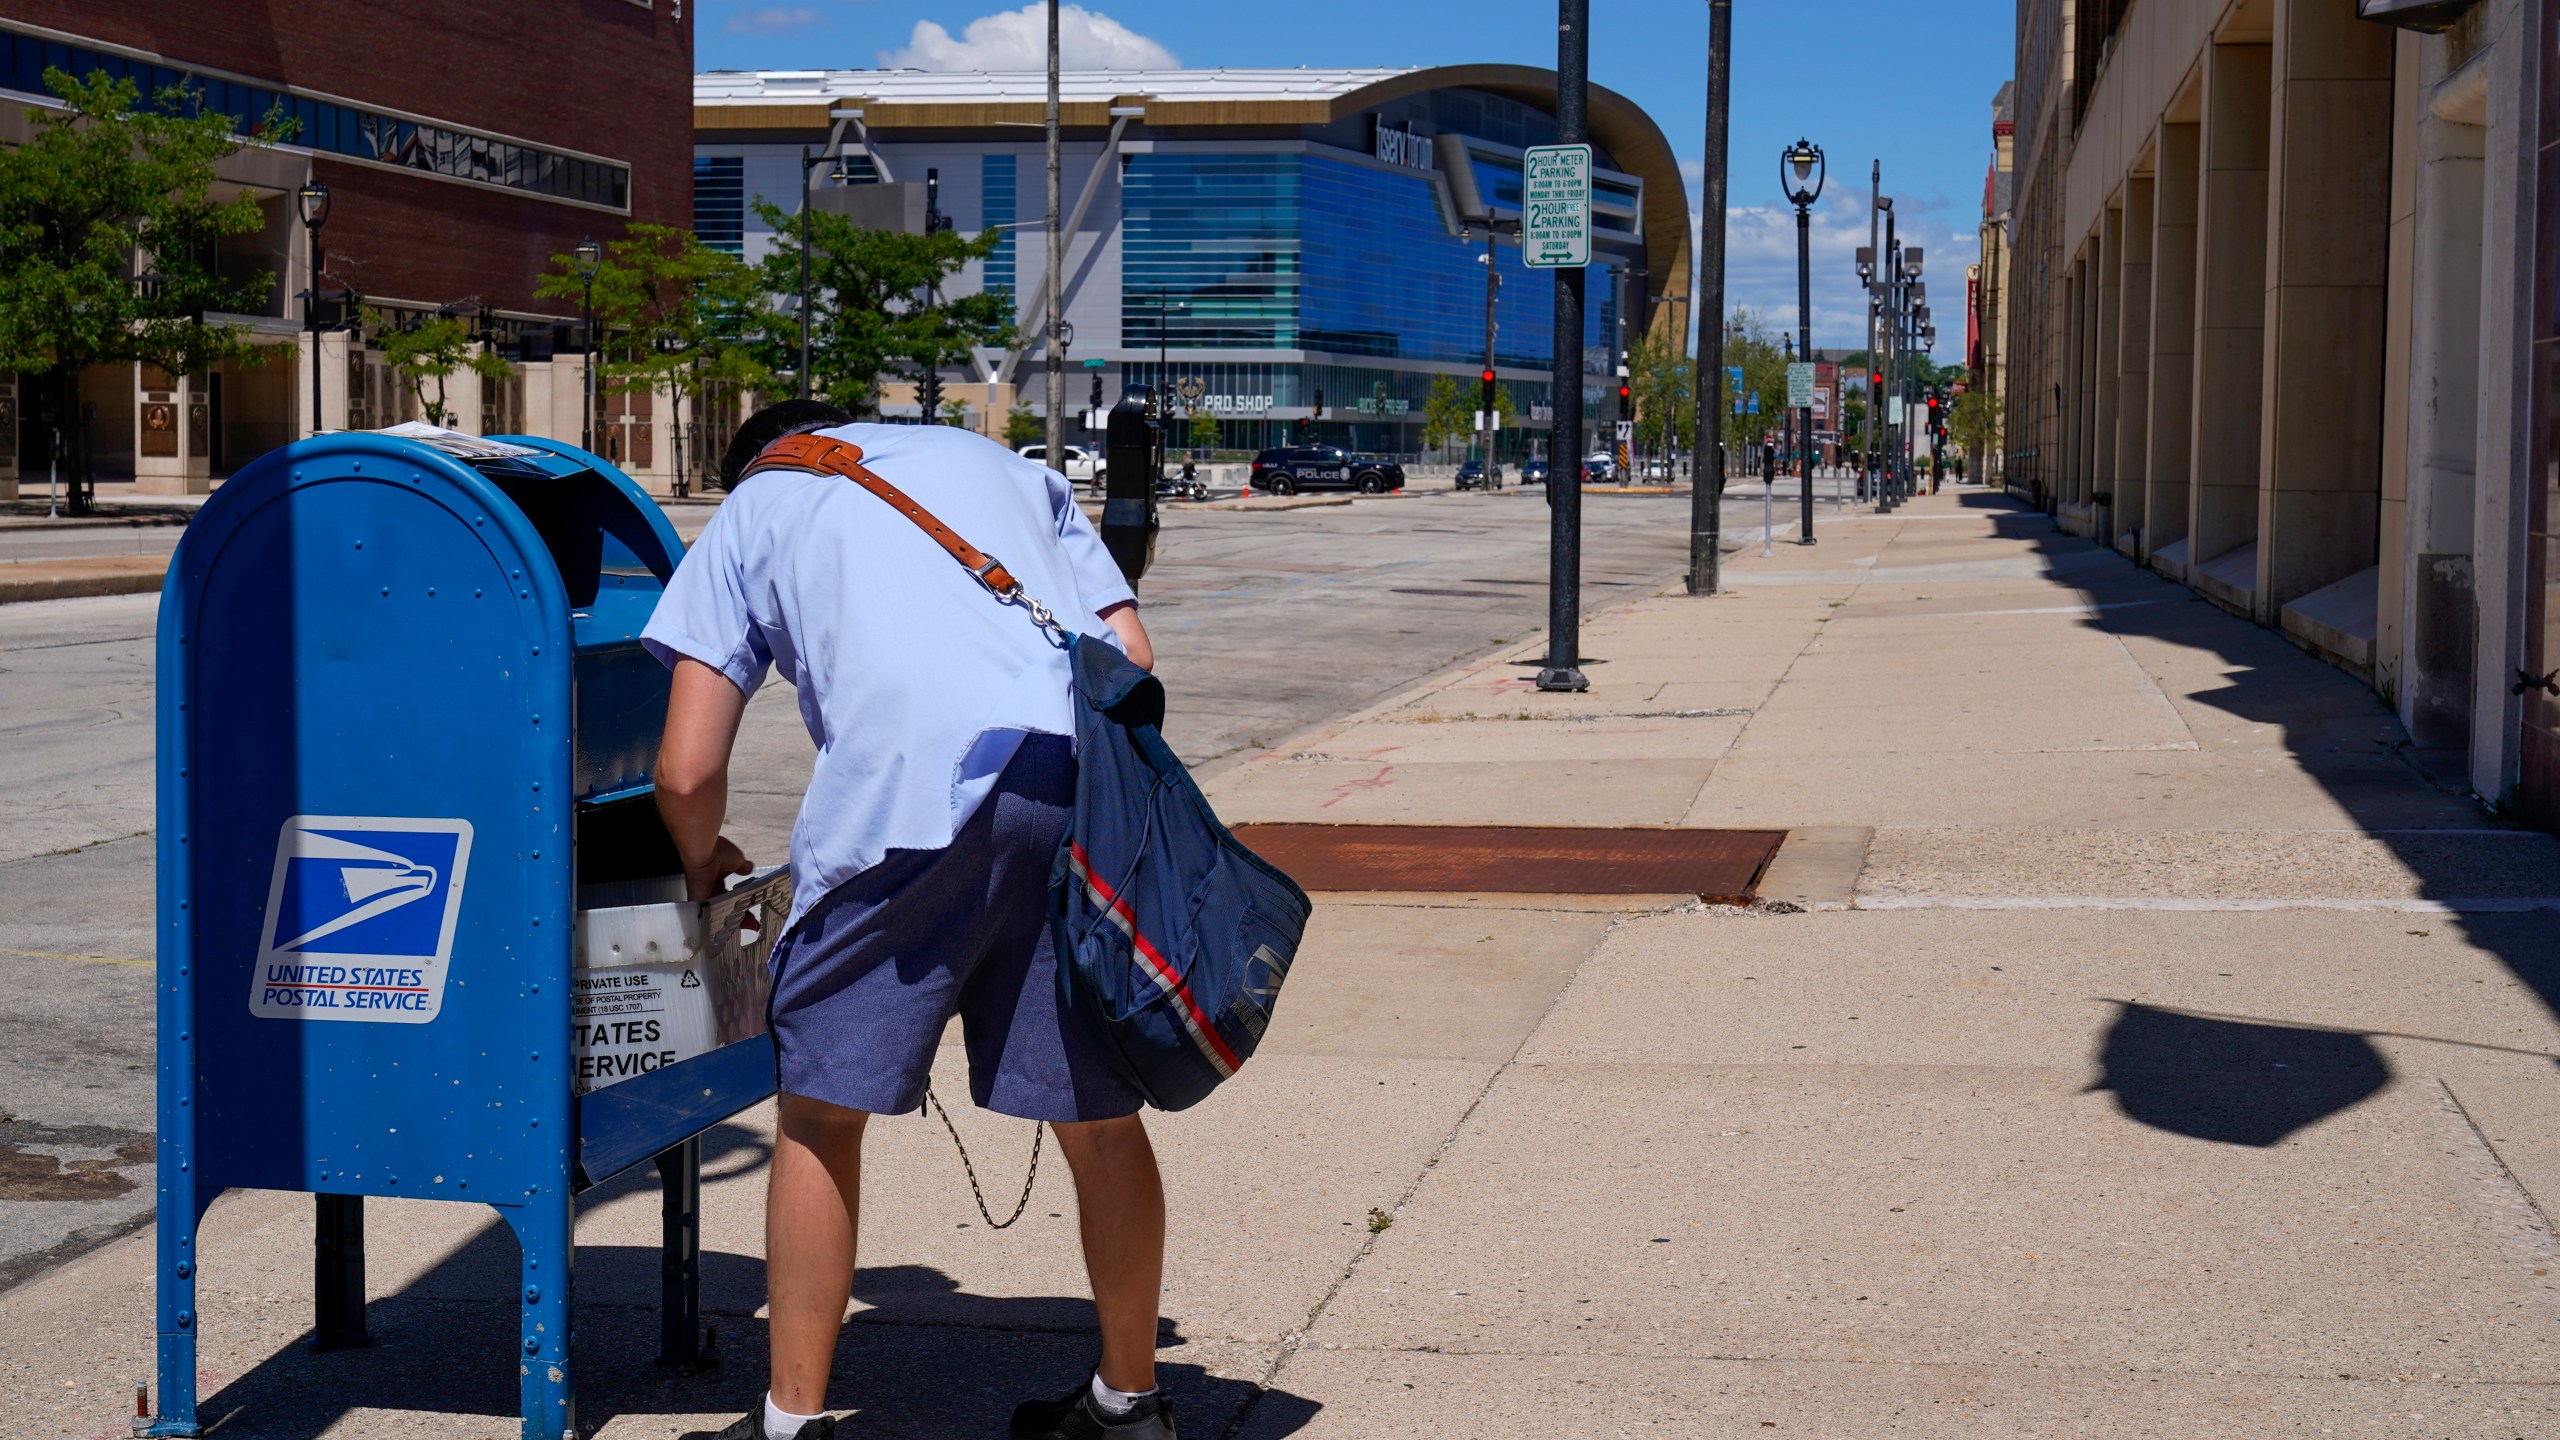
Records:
x=1908, y=82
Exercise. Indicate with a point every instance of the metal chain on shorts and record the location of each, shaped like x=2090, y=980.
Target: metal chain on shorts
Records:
x=1038, y=1130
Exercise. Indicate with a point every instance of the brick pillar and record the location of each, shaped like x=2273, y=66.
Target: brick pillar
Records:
x=2231, y=302
x=2329, y=210
x=2170, y=449
x=2133, y=363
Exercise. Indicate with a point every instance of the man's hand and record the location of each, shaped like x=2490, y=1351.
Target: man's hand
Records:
x=703, y=709
x=703, y=881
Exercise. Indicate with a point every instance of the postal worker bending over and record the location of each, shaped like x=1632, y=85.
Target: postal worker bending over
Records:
x=944, y=779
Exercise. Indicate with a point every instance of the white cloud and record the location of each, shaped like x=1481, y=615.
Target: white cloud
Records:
x=1019, y=40
x=1760, y=268
x=770, y=20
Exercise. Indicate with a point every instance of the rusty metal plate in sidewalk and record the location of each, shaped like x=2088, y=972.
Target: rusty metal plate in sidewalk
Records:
x=1714, y=865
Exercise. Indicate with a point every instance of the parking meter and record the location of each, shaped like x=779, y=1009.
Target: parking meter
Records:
x=1132, y=458
x=421, y=932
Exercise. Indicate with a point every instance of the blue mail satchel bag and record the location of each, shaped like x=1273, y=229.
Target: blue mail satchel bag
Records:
x=1173, y=939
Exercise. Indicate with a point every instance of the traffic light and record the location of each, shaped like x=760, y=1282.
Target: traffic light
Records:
x=1486, y=405
x=929, y=396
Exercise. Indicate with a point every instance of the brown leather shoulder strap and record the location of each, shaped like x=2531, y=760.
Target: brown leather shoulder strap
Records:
x=830, y=456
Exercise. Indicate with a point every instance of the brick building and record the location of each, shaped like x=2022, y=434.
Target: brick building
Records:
x=462, y=147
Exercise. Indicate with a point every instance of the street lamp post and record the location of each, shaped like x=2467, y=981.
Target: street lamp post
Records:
x=1706, y=468
x=1800, y=174
x=589, y=256
x=312, y=200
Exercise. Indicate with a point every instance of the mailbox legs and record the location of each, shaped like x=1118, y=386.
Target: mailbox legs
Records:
x=337, y=1273
x=181, y=1209
x=681, y=1343
x=549, y=1400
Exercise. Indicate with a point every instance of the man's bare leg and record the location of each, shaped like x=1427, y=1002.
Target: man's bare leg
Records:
x=812, y=1206
x=1120, y=1211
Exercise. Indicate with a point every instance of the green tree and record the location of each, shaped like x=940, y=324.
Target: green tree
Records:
x=1022, y=427
x=1445, y=413
x=1661, y=379
x=674, y=318
x=955, y=412
x=108, y=229
x=1204, y=430
x=426, y=350
x=1752, y=347
x=869, y=311
x=1976, y=426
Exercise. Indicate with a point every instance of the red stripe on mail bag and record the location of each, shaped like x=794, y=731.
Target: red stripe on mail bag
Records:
x=1164, y=975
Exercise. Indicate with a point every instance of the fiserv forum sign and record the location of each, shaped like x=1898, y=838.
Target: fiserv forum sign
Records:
x=1555, y=223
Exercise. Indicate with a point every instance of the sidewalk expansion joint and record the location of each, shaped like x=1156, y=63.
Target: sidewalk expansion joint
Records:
x=2485, y=905
x=1295, y=1339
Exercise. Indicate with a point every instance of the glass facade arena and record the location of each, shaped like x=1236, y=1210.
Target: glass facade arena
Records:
x=720, y=202
x=997, y=195
x=1305, y=252
x=1317, y=282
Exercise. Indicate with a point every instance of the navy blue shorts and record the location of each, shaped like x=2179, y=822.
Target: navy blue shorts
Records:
x=865, y=984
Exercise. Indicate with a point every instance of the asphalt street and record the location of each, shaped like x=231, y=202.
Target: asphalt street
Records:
x=1266, y=623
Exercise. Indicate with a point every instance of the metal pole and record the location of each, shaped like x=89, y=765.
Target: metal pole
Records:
x=1563, y=670
x=311, y=312
x=587, y=366
x=1706, y=467
x=1804, y=352
x=1485, y=392
x=1054, y=433
x=1889, y=266
x=804, y=273
x=1875, y=391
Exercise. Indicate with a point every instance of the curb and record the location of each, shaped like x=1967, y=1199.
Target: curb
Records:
x=15, y=588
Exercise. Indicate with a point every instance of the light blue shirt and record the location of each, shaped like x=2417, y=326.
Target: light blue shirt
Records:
x=916, y=685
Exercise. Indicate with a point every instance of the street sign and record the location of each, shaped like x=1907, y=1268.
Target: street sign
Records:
x=1893, y=410
x=1555, y=229
x=1626, y=431
x=1799, y=384
x=1093, y=362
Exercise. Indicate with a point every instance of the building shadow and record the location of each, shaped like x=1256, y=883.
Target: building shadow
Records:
x=923, y=1357
x=2233, y=1082
x=2491, y=878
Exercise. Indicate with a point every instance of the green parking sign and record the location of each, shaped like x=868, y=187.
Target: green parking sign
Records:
x=1555, y=221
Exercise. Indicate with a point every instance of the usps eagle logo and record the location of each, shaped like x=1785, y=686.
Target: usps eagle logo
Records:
x=360, y=918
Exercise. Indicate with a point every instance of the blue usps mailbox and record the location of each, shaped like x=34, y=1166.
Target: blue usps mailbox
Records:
x=404, y=720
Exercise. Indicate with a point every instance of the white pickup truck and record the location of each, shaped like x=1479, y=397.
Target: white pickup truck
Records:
x=1082, y=465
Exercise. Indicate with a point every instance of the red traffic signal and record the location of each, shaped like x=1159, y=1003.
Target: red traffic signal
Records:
x=1488, y=377
x=1933, y=402
x=1623, y=392
x=1876, y=379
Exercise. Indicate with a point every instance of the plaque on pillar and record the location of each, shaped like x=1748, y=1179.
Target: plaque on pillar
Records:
x=199, y=430
x=159, y=429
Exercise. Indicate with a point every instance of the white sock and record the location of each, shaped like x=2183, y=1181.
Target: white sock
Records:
x=1116, y=1403
x=781, y=1424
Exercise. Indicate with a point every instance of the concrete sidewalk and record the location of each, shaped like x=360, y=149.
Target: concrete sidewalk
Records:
x=2143, y=1047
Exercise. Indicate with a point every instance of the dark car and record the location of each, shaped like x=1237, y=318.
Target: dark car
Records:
x=1293, y=468
x=1472, y=475
x=1533, y=472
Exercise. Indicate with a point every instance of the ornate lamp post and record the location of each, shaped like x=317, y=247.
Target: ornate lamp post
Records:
x=589, y=256
x=1800, y=174
x=312, y=201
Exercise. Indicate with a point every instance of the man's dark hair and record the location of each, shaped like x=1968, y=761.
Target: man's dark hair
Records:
x=788, y=417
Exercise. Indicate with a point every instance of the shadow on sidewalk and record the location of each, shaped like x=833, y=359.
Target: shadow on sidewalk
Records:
x=925, y=1358
x=2253, y=1081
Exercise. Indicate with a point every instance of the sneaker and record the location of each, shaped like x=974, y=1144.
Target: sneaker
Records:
x=751, y=1427
x=1074, y=1416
